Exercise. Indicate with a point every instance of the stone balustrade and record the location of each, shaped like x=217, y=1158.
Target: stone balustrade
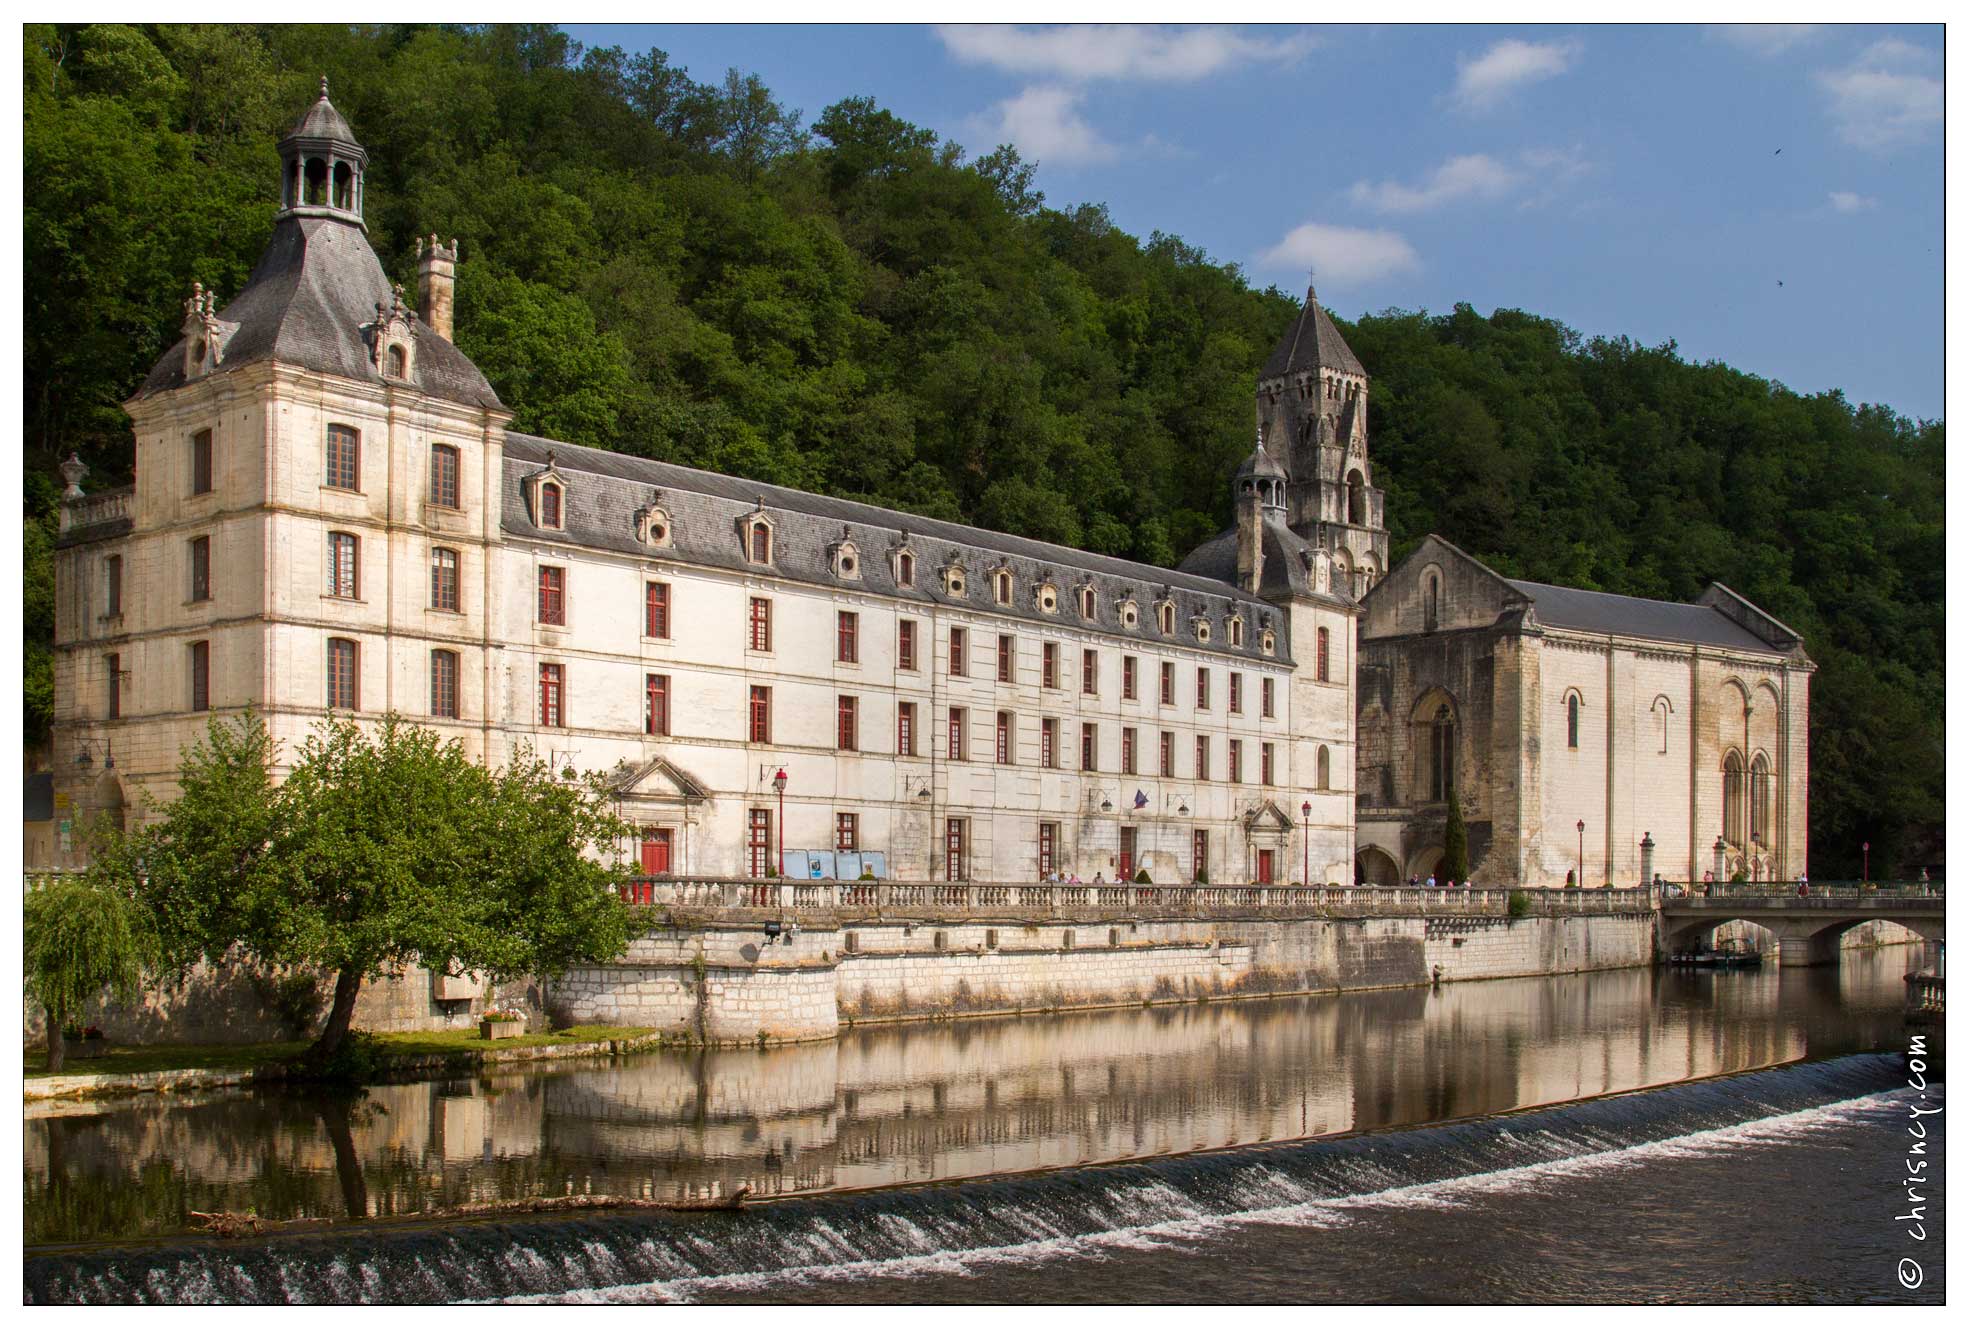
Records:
x=1051, y=899
x=97, y=509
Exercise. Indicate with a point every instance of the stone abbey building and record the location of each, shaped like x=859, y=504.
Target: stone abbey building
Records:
x=331, y=515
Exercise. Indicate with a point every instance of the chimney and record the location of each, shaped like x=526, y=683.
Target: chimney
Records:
x=436, y=268
x=1250, y=539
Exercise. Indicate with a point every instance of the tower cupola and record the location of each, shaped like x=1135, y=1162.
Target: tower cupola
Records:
x=321, y=166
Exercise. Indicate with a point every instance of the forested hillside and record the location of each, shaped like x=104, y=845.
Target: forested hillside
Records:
x=686, y=270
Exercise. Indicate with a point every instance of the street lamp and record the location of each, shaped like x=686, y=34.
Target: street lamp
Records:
x=1306, y=843
x=779, y=787
x=1582, y=853
x=1865, y=848
x=85, y=754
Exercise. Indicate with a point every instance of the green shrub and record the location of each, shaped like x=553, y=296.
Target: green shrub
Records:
x=1202, y=877
x=1519, y=905
x=1142, y=877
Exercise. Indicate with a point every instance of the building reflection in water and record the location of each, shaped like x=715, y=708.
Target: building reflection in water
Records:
x=916, y=1103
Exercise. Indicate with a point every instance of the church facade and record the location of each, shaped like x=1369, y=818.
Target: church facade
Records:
x=331, y=515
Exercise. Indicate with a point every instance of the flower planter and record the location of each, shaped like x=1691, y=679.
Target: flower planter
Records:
x=501, y=1028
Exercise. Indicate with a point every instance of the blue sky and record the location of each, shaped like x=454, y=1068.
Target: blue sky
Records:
x=1768, y=196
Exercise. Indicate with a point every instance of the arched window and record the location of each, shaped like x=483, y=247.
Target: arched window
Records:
x=1442, y=755
x=396, y=362
x=1572, y=720
x=1165, y=618
x=317, y=182
x=1087, y=602
x=1661, y=710
x=1429, y=603
x=1733, y=799
x=1356, y=499
x=1325, y=768
x=1760, y=800
x=761, y=543
x=1001, y=588
x=344, y=186
x=905, y=569
x=550, y=506
x=341, y=674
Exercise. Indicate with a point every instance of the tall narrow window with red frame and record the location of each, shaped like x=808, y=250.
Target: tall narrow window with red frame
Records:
x=847, y=637
x=201, y=462
x=958, y=750
x=845, y=727
x=847, y=832
x=1237, y=693
x=444, y=579
x=553, y=596
x=759, y=715
x=656, y=609
x=1265, y=695
x=1168, y=684
x=959, y=646
x=1128, y=678
x=761, y=624
x=201, y=676
x=550, y=506
x=444, y=684
x=553, y=695
x=1049, y=847
x=1005, y=657
x=1049, y=665
x=444, y=476
x=1323, y=639
x=341, y=674
x=956, y=863
x=1128, y=750
x=656, y=705
x=758, y=841
x=906, y=729
x=340, y=461
x=1002, y=746
x=1090, y=672
x=905, y=643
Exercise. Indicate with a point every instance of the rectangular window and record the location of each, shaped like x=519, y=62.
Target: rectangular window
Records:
x=956, y=863
x=1128, y=678
x=553, y=596
x=341, y=463
x=847, y=637
x=1265, y=697
x=201, y=676
x=1202, y=757
x=957, y=649
x=758, y=841
x=201, y=462
x=113, y=594
x=1168, y=684
x=656, y=609
x=1049, y=665
x=444, y=579
x=1236, y=775
x=201, y=566
x=906, y=729
x=444, y=684
x=956, y=750
x=1004, y=657
x=1049, y=743
x=906, y=643
x=1202, y=688
x=1090, y=672
x=845, y=728
x=1237, y=693
x=847, y=832
x=759, y=715
x=341, y=674
x=553, y=682
x=1199, y=855
x=656, y=705
x=761, y=624
x=1049, y=847
x=1265, y=764
x=1166, y=763
x=1322, y=656
x=113, y=664
x=1002, y=747
x=444, y=476
x=1089, y=747
x=1128, y=750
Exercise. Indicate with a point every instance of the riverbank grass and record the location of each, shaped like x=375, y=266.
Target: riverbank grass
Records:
x=132, y=1059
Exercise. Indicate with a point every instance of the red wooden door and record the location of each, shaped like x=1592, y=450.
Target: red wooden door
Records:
x=1264, y=867
x=656, y=852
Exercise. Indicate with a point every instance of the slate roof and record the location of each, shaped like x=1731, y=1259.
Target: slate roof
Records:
x=1260, y=462
x=1310, y=343
x=316, y=286
x=1285, y=572
x=323, y=121
x=1631, y=616
x=704, y=508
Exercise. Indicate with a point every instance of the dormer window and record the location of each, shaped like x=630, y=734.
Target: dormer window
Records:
x=1048, y=599
x=550, y=506
x=1129, y=614
x=905, y=568
x=953, y=581
x=395, y=362
x=1088, y=604
x=845, y=558
x=393, y=348
x=545, y=495
x=1001, y=586
x=653, y=526
x=759, y=542
x=1236, y=627
x=1267, y=643
x=1201, y=626
x=1165, y=618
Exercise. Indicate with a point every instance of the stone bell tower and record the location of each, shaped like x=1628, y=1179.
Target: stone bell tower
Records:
x=1312, y=420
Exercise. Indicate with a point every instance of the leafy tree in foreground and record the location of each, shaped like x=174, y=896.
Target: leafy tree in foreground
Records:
x=81, y=938
x=383, y=846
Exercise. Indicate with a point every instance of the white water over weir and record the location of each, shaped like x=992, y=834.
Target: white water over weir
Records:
x=645, y=1257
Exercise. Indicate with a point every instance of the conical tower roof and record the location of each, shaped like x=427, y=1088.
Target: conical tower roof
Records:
x=1311, y=343
x=323, y=123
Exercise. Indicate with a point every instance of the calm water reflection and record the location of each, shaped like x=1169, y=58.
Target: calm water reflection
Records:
x=921, y=1103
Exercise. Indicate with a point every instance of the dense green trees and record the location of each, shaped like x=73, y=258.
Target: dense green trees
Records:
x=676, y=268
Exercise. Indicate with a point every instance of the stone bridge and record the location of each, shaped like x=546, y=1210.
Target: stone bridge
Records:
x=1807, y=927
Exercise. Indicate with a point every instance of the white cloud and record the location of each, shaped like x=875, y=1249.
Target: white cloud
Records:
x=1765, y=38
x=1891, y=94
x=1046, y=125
x=1089, y=51
x=1342, y=254
x=1510, y=64
x=1476, y=177
x=1845, y=200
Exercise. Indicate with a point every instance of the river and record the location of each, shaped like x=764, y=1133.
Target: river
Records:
x=1612, y=1136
